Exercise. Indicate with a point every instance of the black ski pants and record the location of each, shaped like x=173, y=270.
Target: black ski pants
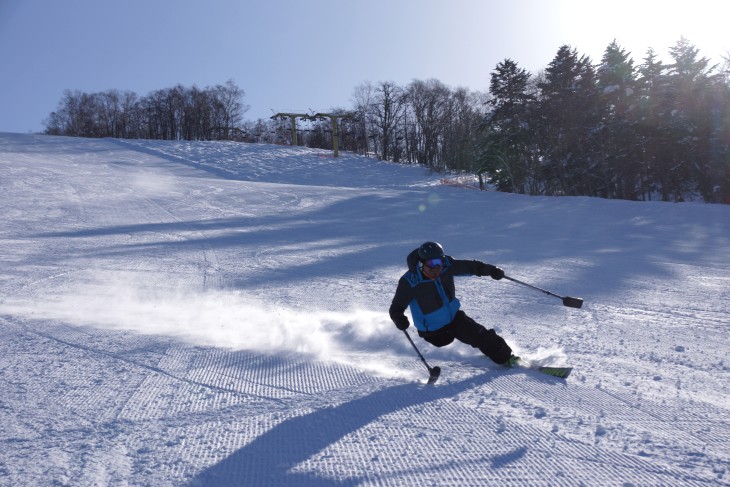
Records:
x=468, y=331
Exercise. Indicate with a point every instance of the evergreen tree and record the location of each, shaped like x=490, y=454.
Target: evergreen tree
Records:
x=568, y=120
x=649, y=117
x=692, y=86
x=506, y=156
x=617, y=149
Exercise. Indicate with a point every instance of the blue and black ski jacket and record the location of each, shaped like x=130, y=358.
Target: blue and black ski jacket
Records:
x=433, y=302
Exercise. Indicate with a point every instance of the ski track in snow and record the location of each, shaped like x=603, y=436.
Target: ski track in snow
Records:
x=188, y=313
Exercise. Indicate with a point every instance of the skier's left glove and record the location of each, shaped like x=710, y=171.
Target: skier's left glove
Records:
x=490, y=270
x=496, y=273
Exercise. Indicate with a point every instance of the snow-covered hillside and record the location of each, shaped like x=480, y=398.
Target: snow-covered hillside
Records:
x=178, y=313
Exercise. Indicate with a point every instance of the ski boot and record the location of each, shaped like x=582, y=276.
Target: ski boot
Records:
x=511, y=361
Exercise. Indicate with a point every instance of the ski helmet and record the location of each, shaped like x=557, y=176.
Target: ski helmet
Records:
x=430, y=250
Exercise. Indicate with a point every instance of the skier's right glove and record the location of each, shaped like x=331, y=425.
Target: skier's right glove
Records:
x=402, y=322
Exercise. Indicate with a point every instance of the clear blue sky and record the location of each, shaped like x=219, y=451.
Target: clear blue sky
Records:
x=311, y=54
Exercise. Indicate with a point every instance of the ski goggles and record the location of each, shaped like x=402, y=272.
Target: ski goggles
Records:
x=432, y=263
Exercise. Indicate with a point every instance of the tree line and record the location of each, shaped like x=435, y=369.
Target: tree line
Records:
x=612, y=129
x=178, y=113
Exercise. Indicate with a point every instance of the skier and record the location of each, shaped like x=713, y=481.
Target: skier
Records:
x=428, y=289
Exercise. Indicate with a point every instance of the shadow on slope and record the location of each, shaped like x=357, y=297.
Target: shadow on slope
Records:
x=271, y=458
x=599, y=245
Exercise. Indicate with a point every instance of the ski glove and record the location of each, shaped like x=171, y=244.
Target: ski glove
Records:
x=490, y=270
x=496, y=273
x=402, y=322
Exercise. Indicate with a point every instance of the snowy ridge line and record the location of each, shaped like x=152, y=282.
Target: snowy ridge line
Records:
x=167, y=156
x=288, y=165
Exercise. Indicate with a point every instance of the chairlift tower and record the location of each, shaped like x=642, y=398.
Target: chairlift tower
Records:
x=293, y=119
x=334, y=117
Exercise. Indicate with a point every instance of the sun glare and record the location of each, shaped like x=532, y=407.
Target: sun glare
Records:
x=639, y=25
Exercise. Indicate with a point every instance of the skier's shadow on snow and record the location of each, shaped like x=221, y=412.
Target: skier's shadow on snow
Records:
x=269, y=459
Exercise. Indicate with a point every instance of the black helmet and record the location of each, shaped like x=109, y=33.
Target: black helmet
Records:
x=430, y=250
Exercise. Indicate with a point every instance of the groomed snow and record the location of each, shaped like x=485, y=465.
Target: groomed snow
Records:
x=190, y=313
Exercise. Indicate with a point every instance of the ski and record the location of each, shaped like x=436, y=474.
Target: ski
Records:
x=561, y=372
x=515, y=362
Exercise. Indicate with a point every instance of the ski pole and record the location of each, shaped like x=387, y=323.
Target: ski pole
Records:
x=567, y=300
x=434, y=372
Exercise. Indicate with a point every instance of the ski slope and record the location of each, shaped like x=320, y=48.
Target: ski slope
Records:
x=200, y=313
